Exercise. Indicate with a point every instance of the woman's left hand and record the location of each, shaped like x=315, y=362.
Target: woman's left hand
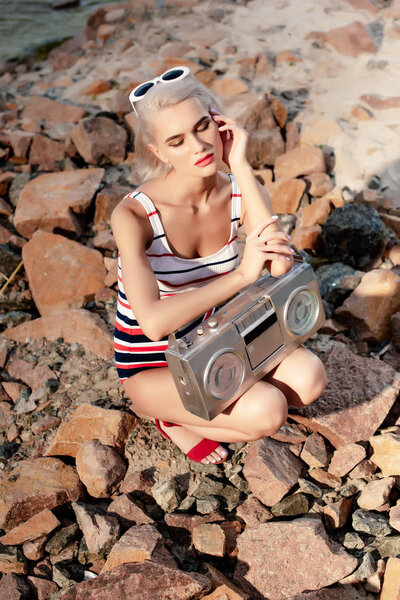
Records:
x=234, y=143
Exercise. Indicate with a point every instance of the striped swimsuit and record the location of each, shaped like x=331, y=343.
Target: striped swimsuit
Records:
x=135, y=352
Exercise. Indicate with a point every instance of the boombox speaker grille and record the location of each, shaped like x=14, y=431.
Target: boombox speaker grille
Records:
x=224, y=375
x=302, y=312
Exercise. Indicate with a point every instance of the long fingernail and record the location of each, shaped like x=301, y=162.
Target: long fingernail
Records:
x=274, y=217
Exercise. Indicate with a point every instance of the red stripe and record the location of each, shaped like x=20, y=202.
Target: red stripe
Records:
x=188, y=283
x=152, y=213
x=139, y=365
x=123, y=303
x=131, y=330
x=236, y=195
x=230, y=241
x=137, y=348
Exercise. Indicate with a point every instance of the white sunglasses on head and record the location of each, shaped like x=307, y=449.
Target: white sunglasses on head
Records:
x=171, y=75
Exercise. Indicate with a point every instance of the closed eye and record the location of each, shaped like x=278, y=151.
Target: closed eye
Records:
x=203, y=127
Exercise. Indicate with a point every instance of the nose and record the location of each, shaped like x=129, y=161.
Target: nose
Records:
x=197, y=143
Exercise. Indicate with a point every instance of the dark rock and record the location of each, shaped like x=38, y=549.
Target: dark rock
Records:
x=336, y=281
x=9, y=260
x=355, y=234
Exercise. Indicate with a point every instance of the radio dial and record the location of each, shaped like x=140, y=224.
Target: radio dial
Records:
x=213, y=324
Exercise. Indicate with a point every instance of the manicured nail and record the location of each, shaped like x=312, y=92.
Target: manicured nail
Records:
x=213, y=460
x=291, y=250
x=274, y=217
x=288, y=257
x=288, y=236
x=224, y=453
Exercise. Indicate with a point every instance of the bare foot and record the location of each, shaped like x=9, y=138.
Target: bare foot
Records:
x=186, y=440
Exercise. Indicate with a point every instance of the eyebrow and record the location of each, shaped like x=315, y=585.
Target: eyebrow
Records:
x=179, y=134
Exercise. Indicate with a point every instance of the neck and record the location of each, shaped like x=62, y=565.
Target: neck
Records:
x=192, y=191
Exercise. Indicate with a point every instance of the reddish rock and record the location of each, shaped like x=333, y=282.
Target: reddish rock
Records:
x=299, y=161
x=357, y=398
x=46, y=153
x=139, y=543
x=229, y=86
x=101, y=531
x=37, y=526
x=315, y=452
x=392, y=221
x=89, y=422
x=106, y=200
x=272, y=561
x=271, y=470
x=5, y=209
x=20, y=142
x=320, y=184
x=100, y=139
x=369, y=307
x=364, y=5
x=316, y=213
x=35, y=484
x=14, y=587
x=35, y=550
x=43, y=588
x=62, y=273
x=223, y=592
x=44, y=424
x=100, y=468
x=98, y=86
x=141, y=580
x=13, y=388
x=366, y=468
x=46, y=202
x=140, y=481
x=360, y=113
x=285, y=195
x=77, y=325
x=325, y=478
x=375, y=493
x=352, y=39
x=265, y=146
x=40, y=108
x=306, y=238
x=391, y=580
x=346, y=458
x=379, y=103
x=337, y=513
x=386, y=453
x=209, y=538
x=129, y=510
x=292, y=136
x=104, y=240
x=394, y=517
x=6, y=180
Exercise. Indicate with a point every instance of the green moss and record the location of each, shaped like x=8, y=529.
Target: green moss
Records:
x=42, y=51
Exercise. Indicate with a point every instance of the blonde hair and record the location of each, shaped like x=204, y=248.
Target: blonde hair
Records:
x=147, y=165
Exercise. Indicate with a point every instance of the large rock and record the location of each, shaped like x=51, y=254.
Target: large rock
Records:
x=300, y=161
x=100, y=468
x=139, y=543
x=369, y=307
x=355, y=234
x=33, y=485
x=40, y=108
x=336, y=281
x=89, y=422
x=101, y=531
x=37, y=526
x=138, y=581
x=386, y=453
x=62, y=273
x=272, y=561
x=264, y=147
x=357, y=398
x=100, y=140
x=46, y=153
x=75, y=325
x=271, y=470
x=352, y=39
x=285, y=195
x=50, y=200
x=14, y=587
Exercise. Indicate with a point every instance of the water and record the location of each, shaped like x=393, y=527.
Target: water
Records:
x=28, y=23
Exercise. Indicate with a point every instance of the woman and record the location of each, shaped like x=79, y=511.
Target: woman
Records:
x=178, y=260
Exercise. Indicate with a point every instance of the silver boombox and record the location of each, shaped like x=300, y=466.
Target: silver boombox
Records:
x=217, y=361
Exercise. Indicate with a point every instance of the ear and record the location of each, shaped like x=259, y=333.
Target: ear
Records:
x=157, y=153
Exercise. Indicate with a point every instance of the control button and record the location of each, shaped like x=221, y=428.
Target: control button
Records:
x=213, y=324
x=240, y=325
x=182, y=380
x=200, y=331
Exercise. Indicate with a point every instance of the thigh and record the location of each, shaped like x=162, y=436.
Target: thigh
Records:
x=154, y=393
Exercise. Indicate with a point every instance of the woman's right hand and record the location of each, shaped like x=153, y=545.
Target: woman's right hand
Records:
x=262, y=244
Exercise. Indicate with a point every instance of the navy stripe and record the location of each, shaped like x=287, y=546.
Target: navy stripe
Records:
x=122, y=295
x=124, y=336
x=156, y=237
x=140, y=357
x=127, y=320
x=220, y=262
x=235, y=219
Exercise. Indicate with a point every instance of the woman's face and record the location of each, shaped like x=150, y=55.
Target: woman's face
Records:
x=184, y=133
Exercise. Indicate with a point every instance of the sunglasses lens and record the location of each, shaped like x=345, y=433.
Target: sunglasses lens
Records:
x=143, y=89
x=169, y=75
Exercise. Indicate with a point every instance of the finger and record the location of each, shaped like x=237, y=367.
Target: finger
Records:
x=262, y=225
x=274, y=235
x=279, y=248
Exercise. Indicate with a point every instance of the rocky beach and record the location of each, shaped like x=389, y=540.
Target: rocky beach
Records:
x=94, y=502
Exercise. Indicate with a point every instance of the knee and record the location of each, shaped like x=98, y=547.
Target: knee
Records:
x=313, y=380
x=266, y=413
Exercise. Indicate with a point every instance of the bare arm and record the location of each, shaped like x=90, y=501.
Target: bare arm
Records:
x=157, y=317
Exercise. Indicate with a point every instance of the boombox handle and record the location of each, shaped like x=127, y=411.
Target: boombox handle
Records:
x=173, y=340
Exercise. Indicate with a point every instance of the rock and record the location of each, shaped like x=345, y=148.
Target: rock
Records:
x=98, y=86
x=315, y=452
x=391, y=580
x=101, y=531
x=62, y=539
x=9, y=260
x=346, y=458
x=53, y=200
x=264, y=147
x=140, y=580
x=46, y=153
x=341, y=415
x=318, y=130
x=129, y=511
x=100, y=140
x=295, y=504
x=40, y=108
x=48, y=422
x=352, y=39
x=88, y=422
x=223, y=584
x=300, y=161
x=43, y=588
x=394, y=517
x=75, y=325
x=229, y=86
x=270, y=563
x=106, y=200
x=387, y=546
x=62, y=274
x=139, y=543
x=206, y=505
x=209, y=538
x=370, y=522
x=366, y=468
x=100, y=468
x=336, y=281
x=316, y=213
x=33, y=485
x=285, y=195
x=375, y=493
x=40, y=524
x=320, y=184
x=370, y=306
x=306, y=238
x=12, y=560
x=141, y=481
x=366, y=569
x=35, y=550
x=223, y=592
x=14, y=587
x=355, y=233
x=271, y=470
x=337, y=513
x=386, y=453
x=168, y=494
